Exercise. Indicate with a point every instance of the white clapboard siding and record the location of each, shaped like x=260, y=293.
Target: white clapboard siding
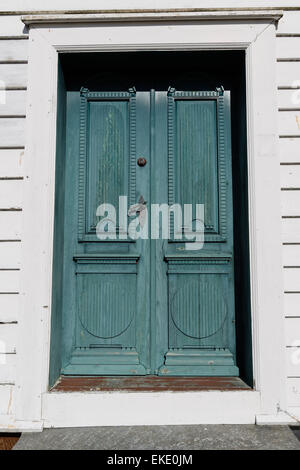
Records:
x=31, y=6
x=8, y=368
x=293, y=361
x=289, y=123
x=288, y=47
x=13, y=50
x=291, y=279
x=10, y=227
x=9, y=307
x=13, y=102
x=293, y=391
x=13, y=75
x=288, y=73
x=10, y=254
x=290, y=176
x=289, y=23
x=10, y=194
x=291, y=230
x=11, y=161
x=289, y=150
x=292, y=331
x=12, y=132
x=11, y=26
x=289, y=99
x=290, y=202
x=8, y=337
x=9, y=281
x=7, y=399
x=290, y=254
x=291, y=305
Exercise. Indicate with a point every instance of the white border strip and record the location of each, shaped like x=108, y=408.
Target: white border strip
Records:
x=159, y=408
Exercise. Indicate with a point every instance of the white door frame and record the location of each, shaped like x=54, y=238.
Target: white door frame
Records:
x=251, y=32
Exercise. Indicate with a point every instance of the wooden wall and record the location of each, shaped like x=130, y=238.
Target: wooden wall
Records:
x=288, y=66
x=13, y=73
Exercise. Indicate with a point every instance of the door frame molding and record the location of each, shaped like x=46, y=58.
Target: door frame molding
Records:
x=256, y=35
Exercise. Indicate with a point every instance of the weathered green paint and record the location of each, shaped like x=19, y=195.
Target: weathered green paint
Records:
x=201, y=310
x=148, y=306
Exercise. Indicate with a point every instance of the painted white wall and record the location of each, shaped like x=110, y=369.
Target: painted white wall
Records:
x=79, y=5
x=13, y=73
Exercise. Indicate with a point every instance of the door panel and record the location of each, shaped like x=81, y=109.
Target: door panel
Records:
x=107, y=167
x=108, y=305
x=148, y=306
x=201, y=321
x=195, y=156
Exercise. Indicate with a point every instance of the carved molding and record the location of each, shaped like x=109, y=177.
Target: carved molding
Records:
x=84, y=233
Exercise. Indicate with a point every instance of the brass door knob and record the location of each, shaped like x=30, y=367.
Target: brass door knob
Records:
x=141, y=161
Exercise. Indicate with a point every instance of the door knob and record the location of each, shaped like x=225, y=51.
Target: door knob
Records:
x=141, y=161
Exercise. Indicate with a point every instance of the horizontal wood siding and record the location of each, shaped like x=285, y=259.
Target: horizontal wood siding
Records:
x=7, y=402
x=10, y=226
x=289, y=150
x=11, y=163
x=293, y=391
x=10, y=193
x=8, y=336
x=289, y=123
x=291, y=254
x=10, y=253
x=292, y=304
x=13, y=102
x=13, y=76
x=292, y=279
x=9, y=281
x=13, y=83
x=12, y=50
x=290, y=203
x=290, y=231
x=290, y=176
x=287, y=73
x=292, y=356
x=12, y=26
x=288, y=47
x=289, y=23
x=292, y=331
x=289, y=99
x=12, y=132
x=7, y=369
x=9, y=308
x=288, y=66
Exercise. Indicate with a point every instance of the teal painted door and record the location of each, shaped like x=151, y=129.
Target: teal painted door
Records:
x=136, y=305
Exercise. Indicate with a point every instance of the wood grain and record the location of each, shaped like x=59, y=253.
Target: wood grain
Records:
x=148, y=384
x=8, y=440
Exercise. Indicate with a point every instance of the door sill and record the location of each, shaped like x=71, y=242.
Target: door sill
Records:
x=147, y=384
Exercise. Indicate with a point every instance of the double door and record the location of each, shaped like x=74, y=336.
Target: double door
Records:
x=142, y=294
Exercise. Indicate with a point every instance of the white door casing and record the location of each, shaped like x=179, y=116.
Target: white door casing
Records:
x=253, y=32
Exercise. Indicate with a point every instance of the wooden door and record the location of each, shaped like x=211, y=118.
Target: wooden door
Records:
x=136, y=306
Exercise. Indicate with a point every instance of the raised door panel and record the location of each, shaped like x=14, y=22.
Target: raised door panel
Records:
x=103, y=309
x=196, y=157
x=106, y=316
x=197, y=168
x=107, y=155
x=201, y=310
